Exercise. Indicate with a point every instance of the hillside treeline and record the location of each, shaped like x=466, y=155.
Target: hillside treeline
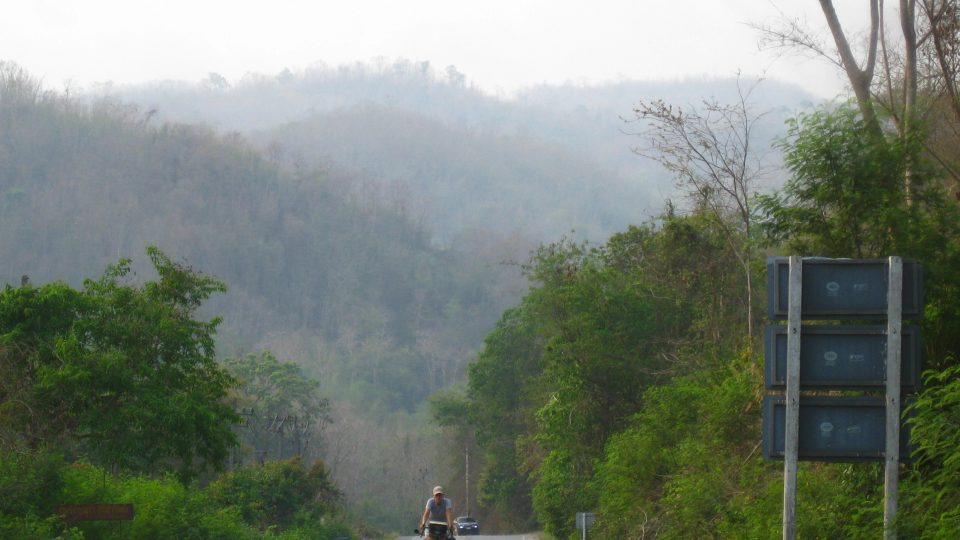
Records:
x=625, y=382
x=325, y=252
x=628, y=381
x=324, y=269
x=538, y=165
x=113, y=394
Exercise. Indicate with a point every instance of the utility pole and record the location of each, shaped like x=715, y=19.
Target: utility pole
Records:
x=466, y=477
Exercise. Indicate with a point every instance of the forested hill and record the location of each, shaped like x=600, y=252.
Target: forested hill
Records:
x=460, y=180
x=369, y=225
x=551, y=160
x=333, y=269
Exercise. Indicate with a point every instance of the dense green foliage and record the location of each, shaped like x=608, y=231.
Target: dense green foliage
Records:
x=117, y=372
x=279, y=494
x=123, y=378
x=568, y=368
x=329, y=269
x=325, y=266
x=847, y=198
x=282, y=410
x=845, y=195
x=505, y=378
x=282, y=500
x=654, y=476
x=622, y=383
x=934, y=502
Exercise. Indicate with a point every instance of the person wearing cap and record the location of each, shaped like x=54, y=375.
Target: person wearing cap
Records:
x=438, y=515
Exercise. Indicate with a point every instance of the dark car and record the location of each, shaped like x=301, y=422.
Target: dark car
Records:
x=467, y=525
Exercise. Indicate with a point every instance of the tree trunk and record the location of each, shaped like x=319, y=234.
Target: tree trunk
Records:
x=908, y=25
x=860, y=79
x=939, y=32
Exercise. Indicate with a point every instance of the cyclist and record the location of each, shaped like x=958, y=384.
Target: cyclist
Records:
x=437, y=517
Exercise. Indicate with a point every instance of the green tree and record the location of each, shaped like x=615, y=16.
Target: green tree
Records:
x=504, y=390
x=449, y=409
x=604, y=347
x=277, y=401
x=687, y=259
x=29, y=487
x=279, y=494
x=711, y=152
x=120, y=372
x=846, y=198
x=565, y=370
x=932, y=502
x=682, y=466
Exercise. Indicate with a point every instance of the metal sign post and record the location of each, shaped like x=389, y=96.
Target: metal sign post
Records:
x=792, y=401
x=892, y=453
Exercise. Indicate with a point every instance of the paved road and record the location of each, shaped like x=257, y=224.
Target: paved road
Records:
x=483, y=537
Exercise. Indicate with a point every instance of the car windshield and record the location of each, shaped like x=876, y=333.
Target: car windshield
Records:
x=466, y=520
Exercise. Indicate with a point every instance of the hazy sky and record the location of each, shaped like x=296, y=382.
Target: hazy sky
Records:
x=501, y=45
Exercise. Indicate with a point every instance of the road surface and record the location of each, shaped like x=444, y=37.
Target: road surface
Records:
x=483, y=537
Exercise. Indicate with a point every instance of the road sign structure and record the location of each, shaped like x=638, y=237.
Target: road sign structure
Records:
x=843, y=289
x=841, y=356
x=840, y=428
x=584, y=522
x=832, y=428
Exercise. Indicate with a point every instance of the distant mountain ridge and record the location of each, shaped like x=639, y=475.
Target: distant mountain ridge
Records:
x=301, y=252
x=555, y=159
x=370, y=225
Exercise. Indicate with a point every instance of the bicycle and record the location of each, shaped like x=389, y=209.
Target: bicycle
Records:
x=436, y=530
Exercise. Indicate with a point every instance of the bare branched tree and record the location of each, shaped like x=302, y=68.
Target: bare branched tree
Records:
x=790, y=35
x=923, y=56
x=709, y=151
x=939, y=44
x=861, y=78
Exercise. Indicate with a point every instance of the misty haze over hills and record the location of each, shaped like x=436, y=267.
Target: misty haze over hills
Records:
x=370, y=222
x=552, y=160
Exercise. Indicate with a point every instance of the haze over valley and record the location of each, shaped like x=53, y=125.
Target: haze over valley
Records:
x=370, y=222
x=276, y=271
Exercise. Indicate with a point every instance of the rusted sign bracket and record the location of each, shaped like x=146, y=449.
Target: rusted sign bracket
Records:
x=73, y=513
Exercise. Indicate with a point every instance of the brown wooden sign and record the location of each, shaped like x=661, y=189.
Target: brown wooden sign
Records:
x=95, y=512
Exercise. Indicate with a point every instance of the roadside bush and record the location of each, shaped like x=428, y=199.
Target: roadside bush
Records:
x=29, y=484
x=278, y=495
x=280, y=500
x=29, y=488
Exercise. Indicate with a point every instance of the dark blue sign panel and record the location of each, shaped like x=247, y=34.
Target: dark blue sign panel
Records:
x=842, y=428
x=842, y=288
x=853, y=357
